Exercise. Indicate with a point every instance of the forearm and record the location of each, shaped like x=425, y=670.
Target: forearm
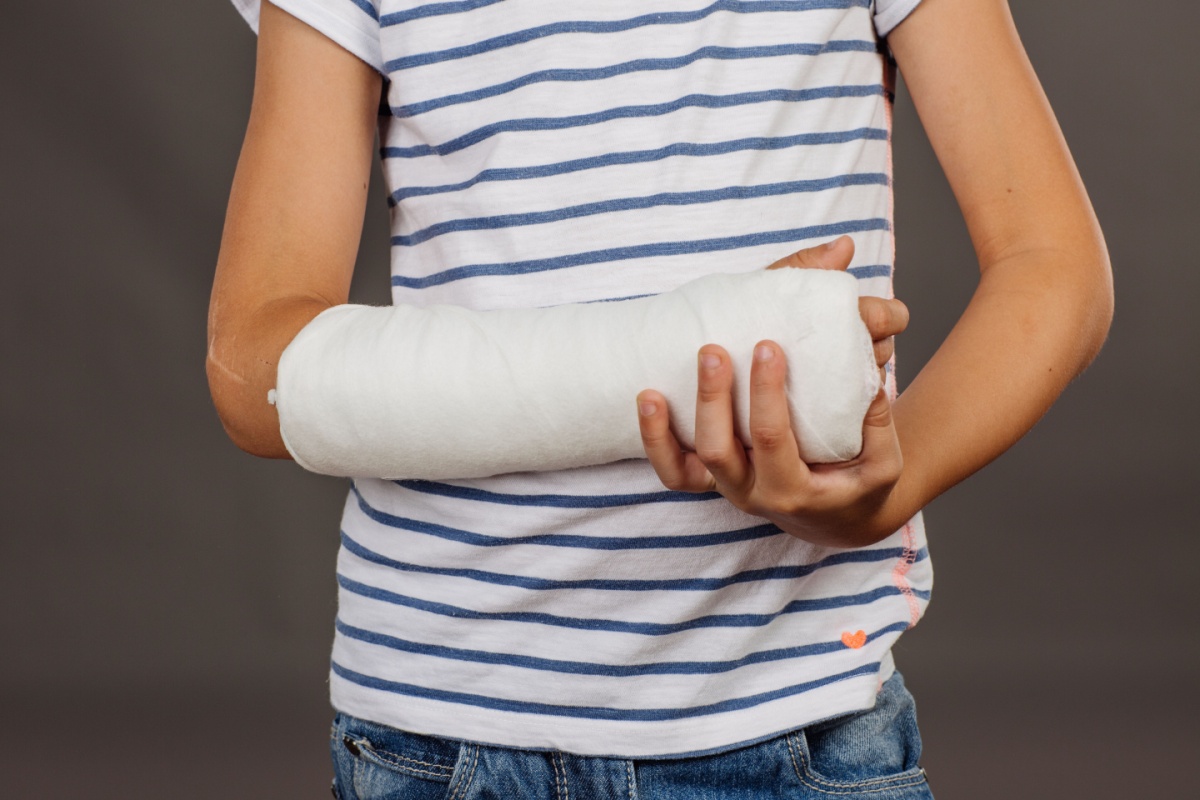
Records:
x=1039, y=315
x=1044, y=300
x=1037, y=319
x=451, y=392
x=407, y=392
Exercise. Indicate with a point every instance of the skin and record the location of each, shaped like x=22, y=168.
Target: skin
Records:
x=1039, y=315
x=294, y=220
x=295, y=217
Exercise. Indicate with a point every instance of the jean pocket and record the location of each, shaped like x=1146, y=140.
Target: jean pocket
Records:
x=873, y=753
x=374, y=762
x=870, y=780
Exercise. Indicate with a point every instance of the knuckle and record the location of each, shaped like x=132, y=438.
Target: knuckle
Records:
x=712, y=456
x=767, y=376
x=800, y=259
x=822, y=498
x=780, y=504
x=793, y=507
x=879, y=414
x=652, y=431
x=803, y=258
x=764, y=384
x=768, y=438
x=878, y=319
x=878, y=418
x=653, y=440
x=673, y=482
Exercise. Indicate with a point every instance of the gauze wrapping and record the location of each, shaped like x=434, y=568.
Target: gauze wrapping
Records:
x=448, y=392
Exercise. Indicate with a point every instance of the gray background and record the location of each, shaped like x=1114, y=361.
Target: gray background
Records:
x=168, y=600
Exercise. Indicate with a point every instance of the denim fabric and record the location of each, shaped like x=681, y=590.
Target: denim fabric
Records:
x=868, y=754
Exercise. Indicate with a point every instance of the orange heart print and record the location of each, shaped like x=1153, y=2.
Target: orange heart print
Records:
x=854, y=640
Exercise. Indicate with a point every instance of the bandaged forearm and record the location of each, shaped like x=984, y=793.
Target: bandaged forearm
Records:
x=448, y=392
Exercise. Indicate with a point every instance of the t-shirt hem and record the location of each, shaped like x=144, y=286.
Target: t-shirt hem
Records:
x=605, y=739
x=360, y=40
x=893, y=14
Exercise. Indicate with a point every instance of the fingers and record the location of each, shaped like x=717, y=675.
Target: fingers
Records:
x=776, y=455
x=678, y=470
x=884, y=319
x=826, y=503
x=870, y=477
x=832, y=255
x=717, y=445
x=884, y=351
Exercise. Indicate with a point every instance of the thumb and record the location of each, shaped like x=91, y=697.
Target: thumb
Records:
x=831, y=255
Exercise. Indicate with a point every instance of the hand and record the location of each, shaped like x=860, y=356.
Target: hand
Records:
x=884, y=318
x=848, y=504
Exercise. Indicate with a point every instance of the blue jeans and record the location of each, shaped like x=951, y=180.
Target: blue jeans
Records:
x=868, y=754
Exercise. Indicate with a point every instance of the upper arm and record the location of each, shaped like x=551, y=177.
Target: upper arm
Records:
x=993, y=131
x=295, y=216
x=296, y=205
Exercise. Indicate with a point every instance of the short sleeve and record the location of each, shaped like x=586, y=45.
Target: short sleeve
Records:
x=890, y=13
x=354, y=24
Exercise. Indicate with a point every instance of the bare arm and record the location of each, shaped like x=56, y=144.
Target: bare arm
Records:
x=1044, y=302
x=1038, y=317
x=294, y=219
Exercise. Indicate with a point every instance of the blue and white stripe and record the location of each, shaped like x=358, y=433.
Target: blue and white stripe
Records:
x=536, y=153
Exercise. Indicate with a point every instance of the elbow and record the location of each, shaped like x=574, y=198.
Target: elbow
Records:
x=248, y=420
x=1098, y=307
x=244, y=350
x=1063, y=299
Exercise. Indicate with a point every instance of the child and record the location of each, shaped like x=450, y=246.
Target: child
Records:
x=585, y=632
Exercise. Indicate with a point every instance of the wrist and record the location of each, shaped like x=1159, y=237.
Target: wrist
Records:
x=867, y=522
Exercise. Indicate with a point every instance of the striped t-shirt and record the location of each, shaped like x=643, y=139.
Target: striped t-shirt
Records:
x=540, y=152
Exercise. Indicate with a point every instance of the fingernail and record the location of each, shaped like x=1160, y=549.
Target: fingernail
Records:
x=709, y=361
x=647, y=409
x=833, y=244
x=763, y=353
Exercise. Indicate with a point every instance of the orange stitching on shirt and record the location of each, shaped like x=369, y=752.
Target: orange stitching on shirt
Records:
x=900, y=573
